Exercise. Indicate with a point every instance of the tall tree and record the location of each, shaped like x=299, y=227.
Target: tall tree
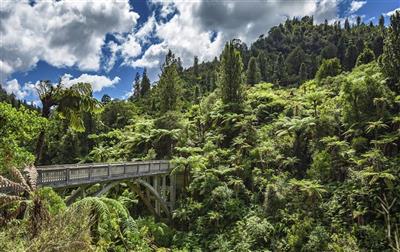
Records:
x=350, y=57
x=136, y=86
x=347, y=25
x=231, y=76
x=381, y=21
x=144, y=84
x=329, y=51
x=365, y=57
x=196, y=67
x=105, y=99
x=391, y=50
x=329, y=67
x=169, y=84
x=303, y=72
x=71, y=103
x=279, y=70
x=263, y=65
x=253, y=72
x=294, y=60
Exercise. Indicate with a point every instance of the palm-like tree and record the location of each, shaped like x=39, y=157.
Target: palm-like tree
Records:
x=315, y=98
x=311, y=189
x=375, y=126
x=104, y=212
x=22, y=192
x=70, y=102
x=289, y=162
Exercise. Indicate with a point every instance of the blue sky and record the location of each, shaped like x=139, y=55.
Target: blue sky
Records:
x=107, y=42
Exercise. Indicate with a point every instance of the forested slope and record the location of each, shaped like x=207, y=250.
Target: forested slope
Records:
x=291, y=145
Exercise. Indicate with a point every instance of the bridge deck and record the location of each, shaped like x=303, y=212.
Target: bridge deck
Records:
x=79, y=174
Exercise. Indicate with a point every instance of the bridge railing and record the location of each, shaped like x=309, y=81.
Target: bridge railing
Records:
x=75, y=174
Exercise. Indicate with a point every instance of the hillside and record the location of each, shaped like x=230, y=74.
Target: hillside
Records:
x=292, y=144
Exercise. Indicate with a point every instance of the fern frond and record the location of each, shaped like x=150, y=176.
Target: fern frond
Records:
x=95, y=204
x=6, y=199
x=17, y=175
x=117, y=206
x=32, y=175
x=16, y=187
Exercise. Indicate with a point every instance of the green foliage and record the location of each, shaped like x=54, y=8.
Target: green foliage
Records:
x=253, y=72
x=391, y=54
x=117, y=114
x=53, y=201
x=19, y=129
x=169, y=85
x=297, y=165
x=294, y=60
x=145, y=84
x=67, y=231
x=365, y=95
x=231, y=76
x=365, y=57
x=330, y=67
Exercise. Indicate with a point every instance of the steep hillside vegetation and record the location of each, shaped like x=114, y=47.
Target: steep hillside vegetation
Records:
x=291, y=145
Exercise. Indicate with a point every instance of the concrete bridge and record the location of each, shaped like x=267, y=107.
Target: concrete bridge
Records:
x=151, y=180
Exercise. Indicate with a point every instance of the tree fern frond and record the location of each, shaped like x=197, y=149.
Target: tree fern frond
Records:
x=6, y=199
x=95, y=204
x=117, y=206
x=32, y=175
x=17, y=175
x=16, y=187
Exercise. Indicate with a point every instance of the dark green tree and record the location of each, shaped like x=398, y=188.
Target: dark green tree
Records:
x=350, y=57
x=179, y=65
x=169, y=85
x=365, y=57
x=329, y=51
x=70, y=103
x=279, y=70
x=303, y=72
x=136, y=86
x=253, y=72
x=347, y=25
x=358, y=20
x=105, y=99
x=263, y=65
x=381, y=21
x=377, y=45
x=196, y=67
x=145, y=84
x=391, y=51
x=330, y=67
x=294, y=60
x=231, y=76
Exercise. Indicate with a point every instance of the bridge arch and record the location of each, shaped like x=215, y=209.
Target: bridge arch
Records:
x=161, y=199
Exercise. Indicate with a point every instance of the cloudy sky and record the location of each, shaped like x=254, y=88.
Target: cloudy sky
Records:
x=106, y=42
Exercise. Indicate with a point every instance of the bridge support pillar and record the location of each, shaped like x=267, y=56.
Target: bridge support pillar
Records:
x=172, y=191
x=157, y=188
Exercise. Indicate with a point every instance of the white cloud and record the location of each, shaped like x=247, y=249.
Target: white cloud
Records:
x=98, y=82
x=13, y=87
x=110, y=61
x=72, y=33
x=62, y=33
x=390, y=13
x=356, y=5
x=187, y=33
x=131, y=47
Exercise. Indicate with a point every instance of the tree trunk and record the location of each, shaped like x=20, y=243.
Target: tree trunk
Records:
x=41, y=139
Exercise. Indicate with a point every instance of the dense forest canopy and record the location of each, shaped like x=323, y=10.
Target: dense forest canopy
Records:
x=289, y=144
